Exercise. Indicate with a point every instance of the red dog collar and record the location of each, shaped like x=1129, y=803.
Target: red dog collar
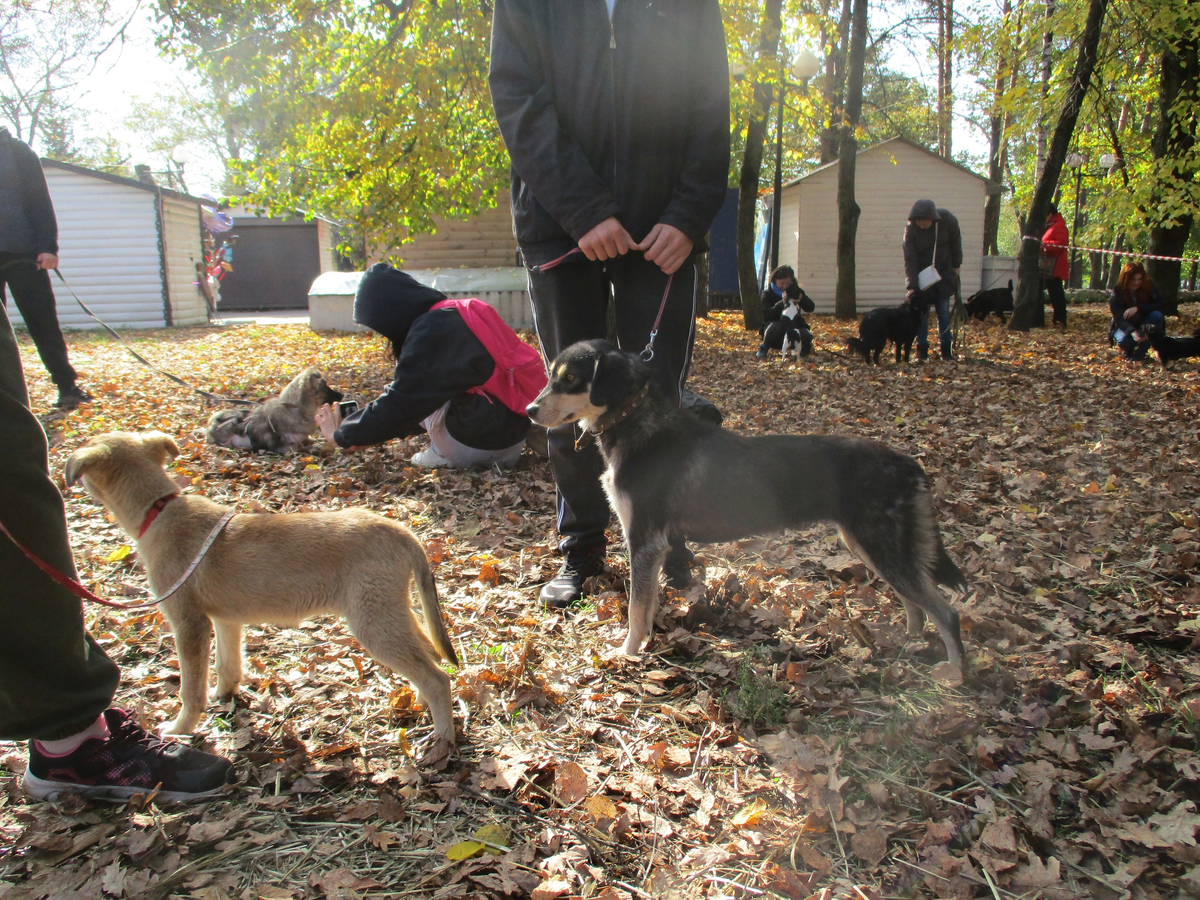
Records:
x=154, y=511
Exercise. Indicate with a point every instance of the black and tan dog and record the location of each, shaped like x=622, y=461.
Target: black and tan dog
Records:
x=281, y=423
x=672, y=477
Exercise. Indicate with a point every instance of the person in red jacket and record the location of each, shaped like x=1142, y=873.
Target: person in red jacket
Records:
x=1054, y=243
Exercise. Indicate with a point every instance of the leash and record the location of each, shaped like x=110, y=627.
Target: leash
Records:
x=84, y=594
x=647, y=354
x=216, y=398
x=1030, y=237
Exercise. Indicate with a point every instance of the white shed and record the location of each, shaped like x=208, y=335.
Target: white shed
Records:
x=128, y=248
x=889, y=177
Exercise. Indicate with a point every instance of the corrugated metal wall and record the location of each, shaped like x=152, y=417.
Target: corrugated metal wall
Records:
x=108, y=252
x=181, y=234
x=888, y=179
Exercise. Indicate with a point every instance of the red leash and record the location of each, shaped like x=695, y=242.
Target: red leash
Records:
x=69, y=583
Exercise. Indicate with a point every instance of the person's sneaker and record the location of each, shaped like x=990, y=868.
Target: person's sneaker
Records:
x=760, y=353
x=130, y=761
x=566, y=588
x=430, y=459
x=69, y=398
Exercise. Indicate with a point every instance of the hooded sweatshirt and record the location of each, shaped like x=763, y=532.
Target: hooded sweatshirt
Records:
x=919, y=250
x=438, y=361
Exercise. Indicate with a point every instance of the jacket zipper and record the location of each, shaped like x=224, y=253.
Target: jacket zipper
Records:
x=612, y=80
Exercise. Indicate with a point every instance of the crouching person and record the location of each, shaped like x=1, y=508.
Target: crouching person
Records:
x=786, y=329
x=462, y=376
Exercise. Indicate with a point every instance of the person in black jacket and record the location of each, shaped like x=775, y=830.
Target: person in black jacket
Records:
x=1135, y=303
x=782, y=304
x=438, y=361
x=932, y=238
x=616, y=119
x=28, y=251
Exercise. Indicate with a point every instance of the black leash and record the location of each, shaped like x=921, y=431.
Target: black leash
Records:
x=216, y=398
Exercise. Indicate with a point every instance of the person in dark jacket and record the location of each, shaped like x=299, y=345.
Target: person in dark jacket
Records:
x=1134, y=304
x=1055, y=242
x=932, y=238
x=440, y=367
x=783, y=302
x=616, y=119
x=28, y=251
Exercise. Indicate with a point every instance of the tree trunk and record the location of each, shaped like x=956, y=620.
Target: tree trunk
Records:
x=1047, y=69
x=1029, y=295
x=747, y=214
x=1174, y=139
x=998, y=157
x=1114, y=267
x=945, y=55
x=835, y=83
x=845, y=304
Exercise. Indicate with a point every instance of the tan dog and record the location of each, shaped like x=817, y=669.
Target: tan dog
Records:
x=267, y=568
x=279, y=424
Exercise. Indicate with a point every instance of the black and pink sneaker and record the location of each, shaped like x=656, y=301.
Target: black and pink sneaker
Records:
x=130, y=761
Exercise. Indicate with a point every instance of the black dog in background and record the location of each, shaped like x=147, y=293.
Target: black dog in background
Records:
x=993, y=300
x=896, y=324
x=1170, y=349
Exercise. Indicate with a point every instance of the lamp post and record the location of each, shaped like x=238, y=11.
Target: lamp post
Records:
x=179, y=158
x=1075, y=161
x=805, y=67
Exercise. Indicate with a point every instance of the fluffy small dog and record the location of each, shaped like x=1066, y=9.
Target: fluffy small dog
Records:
x=1170, y=349
x=993, y=300
x=281, y=423
x=266, y=568
x=671, y=477
x=896, y=324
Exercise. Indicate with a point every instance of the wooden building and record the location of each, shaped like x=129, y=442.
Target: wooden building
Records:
x=889, y=178
x=128, y=248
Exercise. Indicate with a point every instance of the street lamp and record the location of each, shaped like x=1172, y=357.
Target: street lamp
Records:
x=180, y=157
x=803, y=69
x=1075, y=161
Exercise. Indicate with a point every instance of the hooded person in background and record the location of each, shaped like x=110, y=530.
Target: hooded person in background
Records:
x=28, y=251
x=932, y=238
x=448, y=381
x=1055, y=241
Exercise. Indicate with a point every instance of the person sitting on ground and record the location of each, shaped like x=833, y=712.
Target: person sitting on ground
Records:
x=785, y=326
x=1135, y=304
x=462, y=376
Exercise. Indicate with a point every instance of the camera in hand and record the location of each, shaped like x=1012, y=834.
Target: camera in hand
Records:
x=346, y=407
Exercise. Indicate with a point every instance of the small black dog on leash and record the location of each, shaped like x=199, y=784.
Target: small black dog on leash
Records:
x=1170, y=349
x=896, y=324
x=993, y=300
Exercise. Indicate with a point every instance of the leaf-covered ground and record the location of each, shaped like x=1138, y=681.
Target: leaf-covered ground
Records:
x=782, y=735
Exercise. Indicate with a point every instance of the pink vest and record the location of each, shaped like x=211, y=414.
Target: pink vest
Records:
x=519, y=376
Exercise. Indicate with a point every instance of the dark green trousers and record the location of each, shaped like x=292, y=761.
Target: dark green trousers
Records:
x=54, y=679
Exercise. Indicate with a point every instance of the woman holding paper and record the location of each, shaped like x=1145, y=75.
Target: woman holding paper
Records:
x=933, y=255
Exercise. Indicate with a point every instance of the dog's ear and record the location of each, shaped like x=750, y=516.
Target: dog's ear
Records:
x=612, y=378
x=81, y=460
x=163, y=443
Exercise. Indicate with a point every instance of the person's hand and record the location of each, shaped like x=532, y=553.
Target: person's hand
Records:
x=607, y=240
x=910, y=295
x=666, y=246
x=329, y=419
x=47, y=261
x=1131, y=312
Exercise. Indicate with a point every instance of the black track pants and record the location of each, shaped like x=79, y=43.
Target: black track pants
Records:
x=54, y=679
x=33, y=296
x=570, y=304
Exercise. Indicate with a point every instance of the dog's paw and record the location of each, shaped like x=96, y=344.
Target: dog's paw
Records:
x=436, y=754
x=173, y=729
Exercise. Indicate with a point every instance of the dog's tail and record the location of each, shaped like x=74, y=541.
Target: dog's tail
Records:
x=432, y=610
x=226, y=426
